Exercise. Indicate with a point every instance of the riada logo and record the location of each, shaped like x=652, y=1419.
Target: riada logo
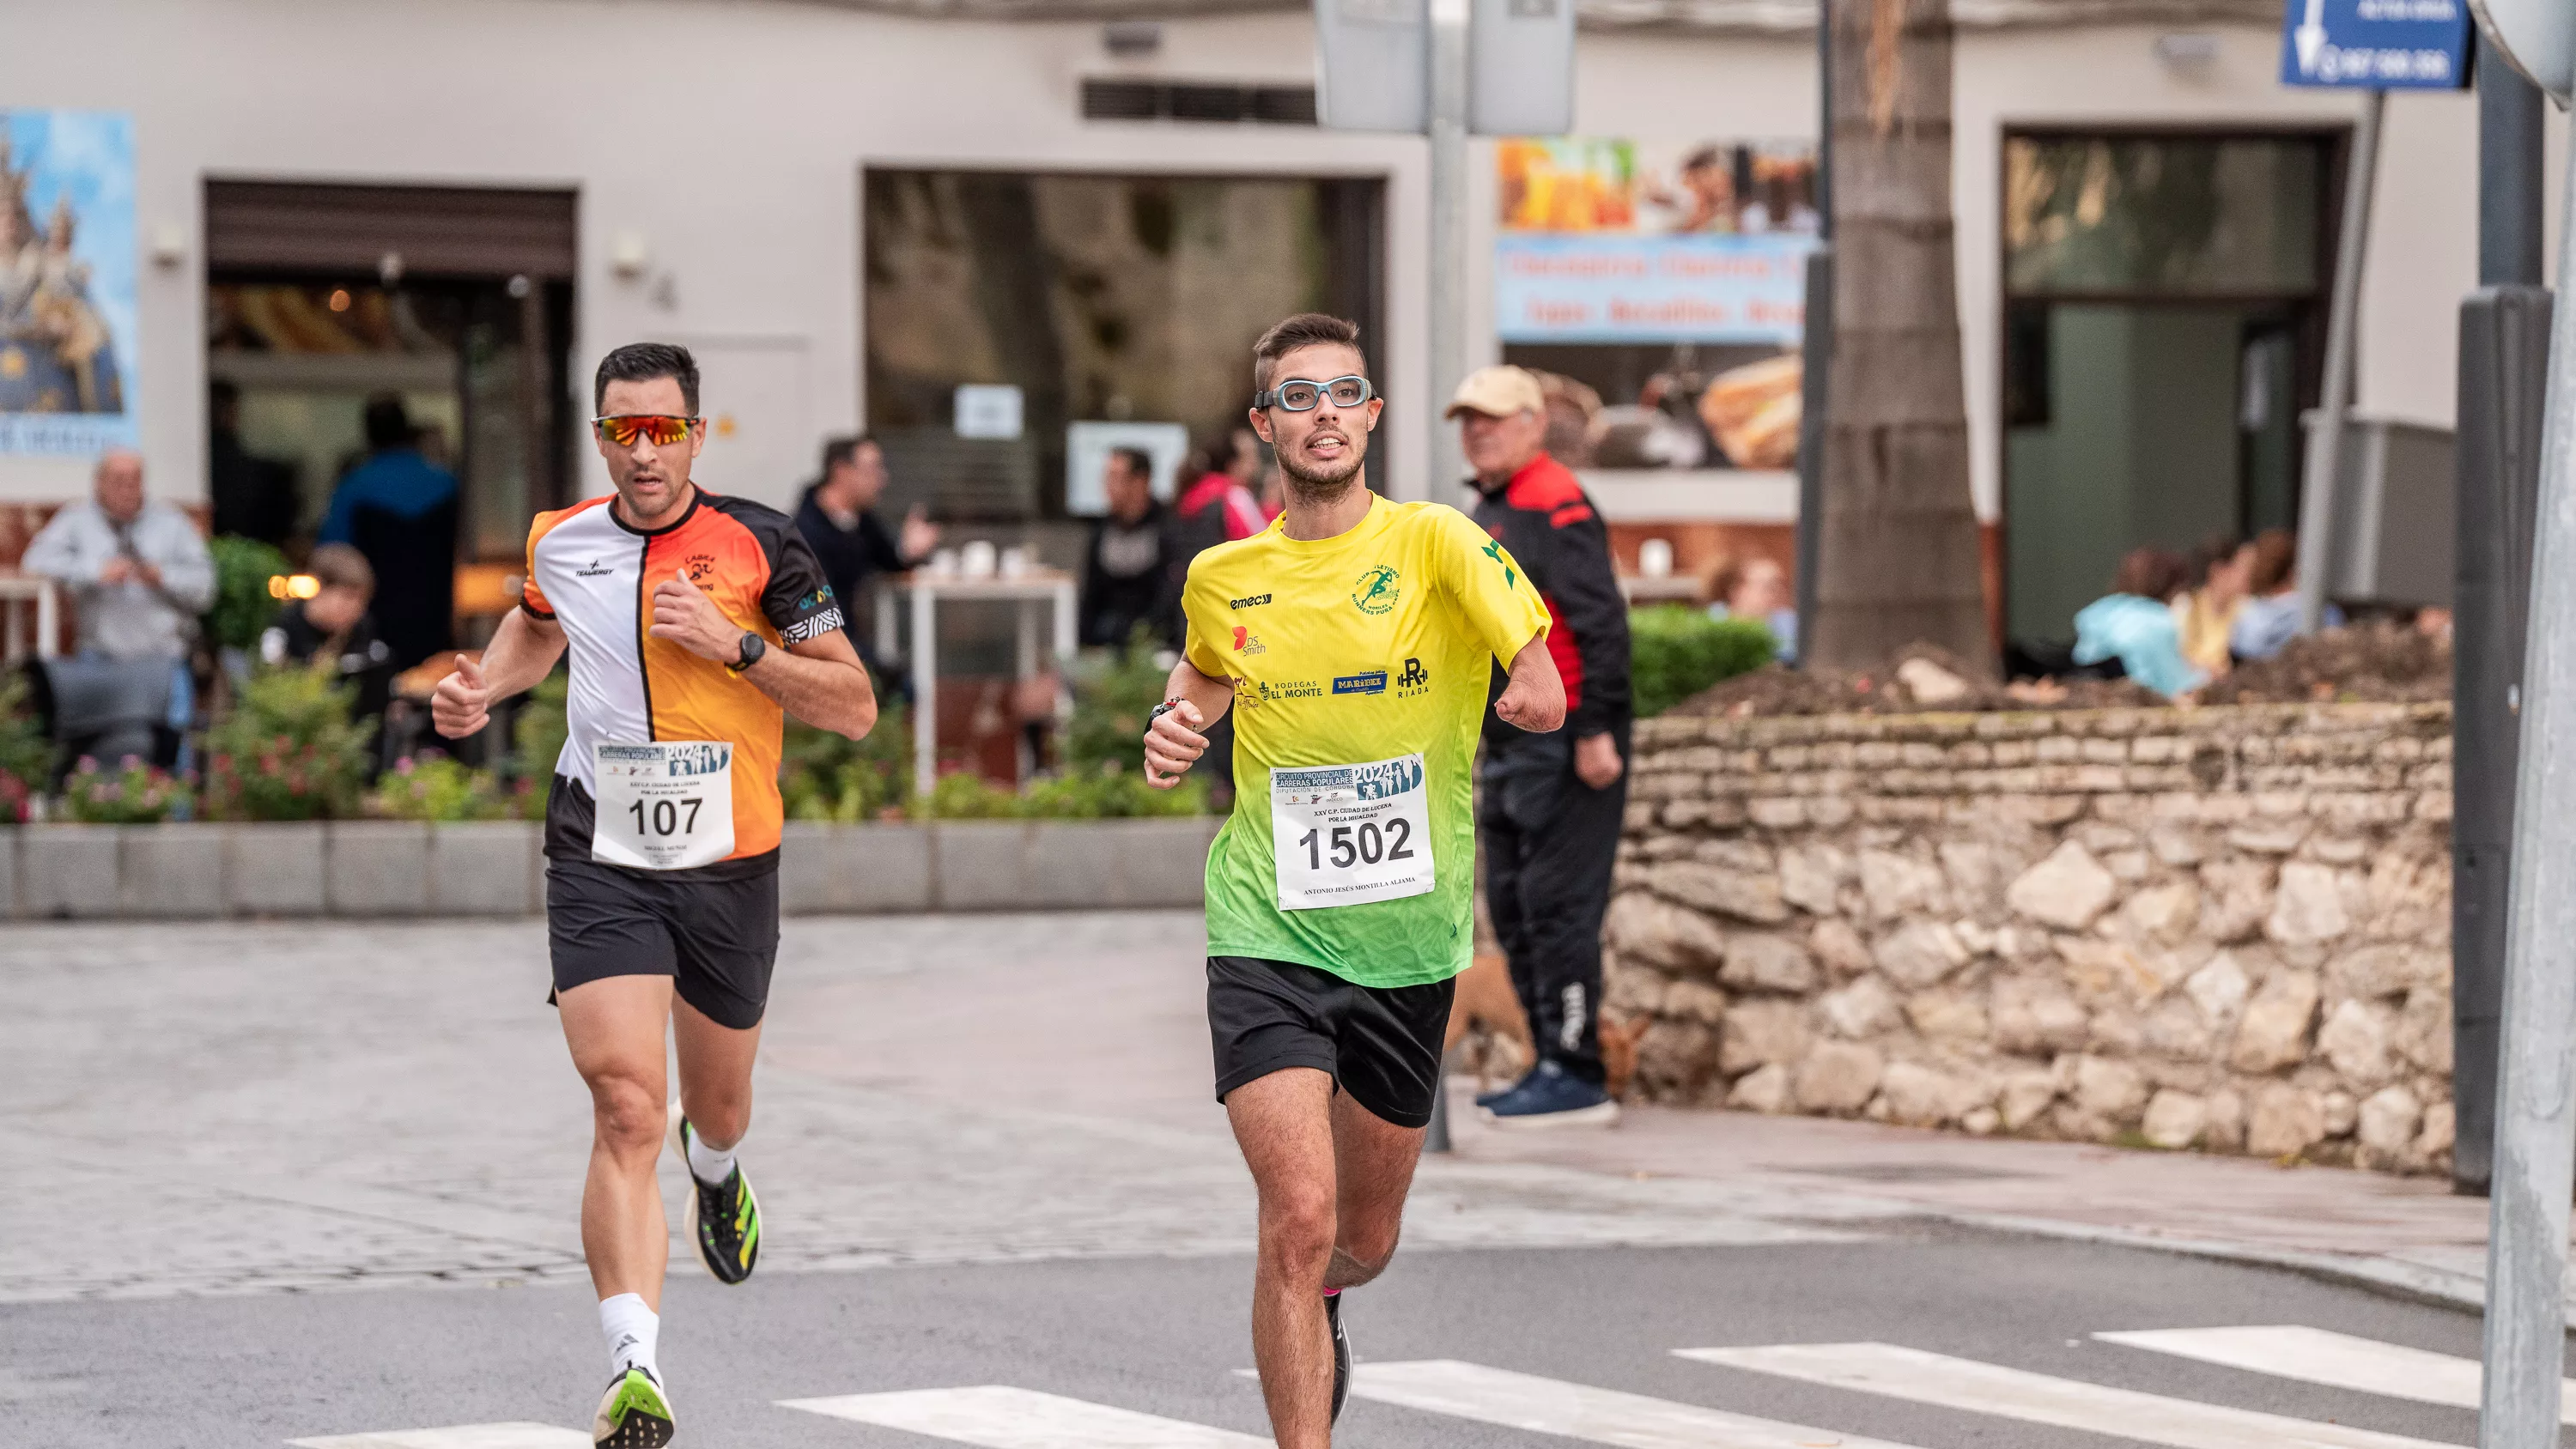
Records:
x=1411, y=680
x=1247, y=642
x=1376, y=591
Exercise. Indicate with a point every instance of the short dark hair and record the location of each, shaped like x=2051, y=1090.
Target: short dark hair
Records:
x=2152, y=573
x=388, y=423
x=340, y=565
x=643, y=362
x=837, y=451
x=1306, y=329
x=2276, y=558
x=1138, y=461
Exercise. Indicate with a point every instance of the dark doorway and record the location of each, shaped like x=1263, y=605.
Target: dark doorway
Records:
x=2163, y=311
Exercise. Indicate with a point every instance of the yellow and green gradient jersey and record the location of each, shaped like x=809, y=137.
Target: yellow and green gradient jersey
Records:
x=1371, y=645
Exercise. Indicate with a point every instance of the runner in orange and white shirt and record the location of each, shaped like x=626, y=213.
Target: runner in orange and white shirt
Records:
x=693, y=621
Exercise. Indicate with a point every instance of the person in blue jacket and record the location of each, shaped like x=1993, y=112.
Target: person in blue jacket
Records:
x=2135, y=624
x=399, y=509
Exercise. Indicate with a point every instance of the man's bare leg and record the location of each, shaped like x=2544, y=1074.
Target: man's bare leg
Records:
x=1373, y=1165
x=615, y=1027
x=1284, y=1124
x=715, y=1075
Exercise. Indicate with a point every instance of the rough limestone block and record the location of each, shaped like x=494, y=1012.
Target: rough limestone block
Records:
x=377, y=868
x=274, y=870
x=67, y=870
x=170, y=871
x=485, y=868
x=979, y=865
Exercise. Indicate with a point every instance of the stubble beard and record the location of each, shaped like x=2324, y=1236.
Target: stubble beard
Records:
x=1323, y=489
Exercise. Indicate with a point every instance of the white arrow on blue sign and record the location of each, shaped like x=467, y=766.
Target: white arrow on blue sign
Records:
x=2378, y=45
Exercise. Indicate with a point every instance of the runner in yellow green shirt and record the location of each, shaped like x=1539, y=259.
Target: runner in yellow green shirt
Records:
x=1355, y=639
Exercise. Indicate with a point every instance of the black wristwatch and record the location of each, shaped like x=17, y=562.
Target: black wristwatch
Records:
x=1160, y=710
x=753, y=646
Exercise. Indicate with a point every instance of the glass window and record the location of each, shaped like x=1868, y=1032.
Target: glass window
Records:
x=2162, y=215
x=1131, y=299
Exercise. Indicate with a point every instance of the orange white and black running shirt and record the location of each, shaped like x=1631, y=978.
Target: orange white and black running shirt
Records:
x=594, y=575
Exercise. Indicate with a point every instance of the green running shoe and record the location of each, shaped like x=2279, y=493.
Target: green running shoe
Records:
x=724, y=1220
x=634, y=1414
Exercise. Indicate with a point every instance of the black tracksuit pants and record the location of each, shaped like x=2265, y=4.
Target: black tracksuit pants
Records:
x=1548, y=842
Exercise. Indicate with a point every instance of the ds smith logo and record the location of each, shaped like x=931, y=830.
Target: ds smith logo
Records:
x=1247, y=642
x=1376, y=591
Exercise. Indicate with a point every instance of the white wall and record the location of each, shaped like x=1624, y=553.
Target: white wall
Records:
x=731, y=136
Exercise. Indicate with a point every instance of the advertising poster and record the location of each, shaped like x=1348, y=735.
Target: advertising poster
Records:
x=1663, y=288
x=67, y=278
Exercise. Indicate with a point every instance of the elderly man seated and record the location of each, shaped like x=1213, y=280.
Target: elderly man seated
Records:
x=138, y=576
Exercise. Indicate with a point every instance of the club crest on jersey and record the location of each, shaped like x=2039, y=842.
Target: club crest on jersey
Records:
x=1247, y=642
x=1376, y=591
x=701, y=565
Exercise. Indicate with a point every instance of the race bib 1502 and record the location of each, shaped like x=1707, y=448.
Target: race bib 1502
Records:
x=1346, y=834
x=667, y=805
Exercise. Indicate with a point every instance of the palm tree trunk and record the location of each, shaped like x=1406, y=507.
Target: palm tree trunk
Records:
x=1900, y=558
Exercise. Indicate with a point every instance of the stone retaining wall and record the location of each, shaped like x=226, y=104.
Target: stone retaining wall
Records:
x=2218, y=927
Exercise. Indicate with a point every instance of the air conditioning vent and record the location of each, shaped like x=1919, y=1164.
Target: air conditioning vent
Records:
x=1219, y=103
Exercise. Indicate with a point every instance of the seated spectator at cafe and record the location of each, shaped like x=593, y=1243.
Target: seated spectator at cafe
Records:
x=2224, y=572
x=334, y=629
x=137, y=572
x=1757, y=589
x=1131, y=570
x=2135, y=624
x=2270, y=618
x=399, y=509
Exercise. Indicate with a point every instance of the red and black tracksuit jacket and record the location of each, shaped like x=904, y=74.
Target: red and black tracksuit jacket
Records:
x=1543, y=516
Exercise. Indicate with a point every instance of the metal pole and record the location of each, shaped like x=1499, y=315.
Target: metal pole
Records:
x=2535, y=1158
x=2499, y=447
x=1816, y=344
x=2325, y=439
x=1448, y=259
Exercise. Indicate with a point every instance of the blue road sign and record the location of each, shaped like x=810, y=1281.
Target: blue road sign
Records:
x=2376, y=45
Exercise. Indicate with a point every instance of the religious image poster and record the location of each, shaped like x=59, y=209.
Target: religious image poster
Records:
x=67, y=281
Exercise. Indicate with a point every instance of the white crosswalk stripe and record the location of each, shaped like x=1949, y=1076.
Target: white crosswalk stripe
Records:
x=999, y=1417
x=1984, y=1388
x=463, y=1436
x=1579, y=1411
x=2318, y=1356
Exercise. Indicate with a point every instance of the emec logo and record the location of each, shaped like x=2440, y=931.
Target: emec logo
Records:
x=1376, y=591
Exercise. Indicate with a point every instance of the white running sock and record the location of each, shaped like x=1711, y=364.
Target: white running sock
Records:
x=632, y=1330
x=706, y=1164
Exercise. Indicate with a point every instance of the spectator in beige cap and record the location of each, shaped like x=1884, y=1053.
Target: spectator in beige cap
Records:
x=1549, y=814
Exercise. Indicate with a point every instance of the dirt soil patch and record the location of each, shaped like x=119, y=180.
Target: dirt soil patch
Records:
x=2367, y=663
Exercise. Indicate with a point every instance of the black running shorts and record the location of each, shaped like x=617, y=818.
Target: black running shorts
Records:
x=1380, y=1044
x=716, y=938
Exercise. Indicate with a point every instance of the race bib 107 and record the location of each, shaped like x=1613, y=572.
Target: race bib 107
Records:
x=1343, y=835
x=666, y=805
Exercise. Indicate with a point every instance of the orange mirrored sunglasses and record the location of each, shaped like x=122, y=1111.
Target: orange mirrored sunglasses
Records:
x=662, y=429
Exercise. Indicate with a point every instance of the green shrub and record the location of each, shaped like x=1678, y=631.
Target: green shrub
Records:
x=1110, y=793
x=26, y=756
x=134, y=793
x=537, y=739
x=287, y=751
x=243, y=606
x=434, y=787
x=1676, y=651
x=1112, y=696
x=966, y=795
x=823, y=776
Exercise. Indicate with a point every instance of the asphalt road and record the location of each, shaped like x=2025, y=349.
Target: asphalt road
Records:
x=1167, y=1336
x=269, y=1184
